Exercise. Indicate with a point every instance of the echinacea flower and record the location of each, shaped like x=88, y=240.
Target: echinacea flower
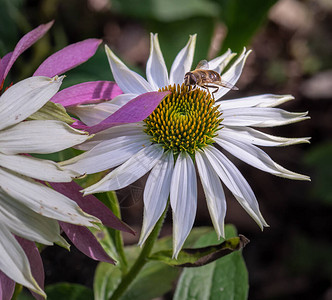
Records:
x=28, y=208
x=185, y=130
x=21, y=211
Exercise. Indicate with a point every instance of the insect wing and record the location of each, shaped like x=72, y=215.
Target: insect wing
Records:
x=203, y=65
x=227, y=85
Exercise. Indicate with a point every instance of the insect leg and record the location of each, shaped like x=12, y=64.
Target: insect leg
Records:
x=190, y=89
x=206, y=86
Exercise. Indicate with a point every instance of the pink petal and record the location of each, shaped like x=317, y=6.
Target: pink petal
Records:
x=68, y=58
x=134, y=111
x=3, y=65
x=86, y=242
x=87, y=92
x=7, y=287
x=91, y=205
x=24, y=43
x=36, y=263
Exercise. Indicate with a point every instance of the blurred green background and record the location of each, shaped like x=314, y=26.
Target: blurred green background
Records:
x=292, y=46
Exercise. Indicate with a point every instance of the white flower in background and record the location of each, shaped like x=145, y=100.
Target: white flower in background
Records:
x=28, y=208
x=183, y=132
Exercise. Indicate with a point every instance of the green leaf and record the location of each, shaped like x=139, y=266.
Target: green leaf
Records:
x=162, y=10
x=107, y=278
x=68, y=291
x=224, y=279
x=154, y=280
x=52, y=111
x=242, y=19
x=196, y=257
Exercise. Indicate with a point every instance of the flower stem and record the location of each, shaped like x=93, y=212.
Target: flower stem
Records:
x=118, y=241
x=141, y=260
x=17, y=291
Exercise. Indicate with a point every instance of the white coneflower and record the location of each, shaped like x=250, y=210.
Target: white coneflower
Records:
x=182, y=132
x=28, y=208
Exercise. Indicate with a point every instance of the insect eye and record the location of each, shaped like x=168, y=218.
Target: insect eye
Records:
x=192, y=79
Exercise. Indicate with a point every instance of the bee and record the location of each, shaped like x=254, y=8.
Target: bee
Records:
x=206, y=79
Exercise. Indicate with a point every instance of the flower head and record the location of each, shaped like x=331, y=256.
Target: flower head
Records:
x=28, y=208
x=182, y=132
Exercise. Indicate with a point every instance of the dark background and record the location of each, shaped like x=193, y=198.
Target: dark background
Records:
x=292, y=44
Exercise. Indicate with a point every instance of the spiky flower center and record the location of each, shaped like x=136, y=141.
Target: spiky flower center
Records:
x=184, y=121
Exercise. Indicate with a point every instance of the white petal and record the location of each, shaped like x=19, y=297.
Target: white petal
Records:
x=43, y=200
x=26, y=97
x=256, y=157
x=261, y=117
x=183, y=197
x=219, y=63
x=236, y=183
x=40, y=136
x=183, y=62
x=214, y=193
x=131, y=129
x=123, y=99
x=14, y=262
x=253, y=136
x=233, y=74
x=265, y=100
x=95, y=113
x=129, y=172
x=107, y=154
x=156, y=193
x=40, y=169
x=156, y=70
x=23, y=222
x=129, y=81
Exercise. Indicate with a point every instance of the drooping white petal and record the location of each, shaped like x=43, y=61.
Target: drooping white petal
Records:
x=92, y=114
x=24, y=222
x=236, y=183
x=40, y=136
x=133, y=169
x=36, y=168
x=131, y=129
x=156, y=192
x=214, y=192
x=256, y=157
x=265, y=100
x=219, y=63
x=253, y=136
x=128, y=81
x=233, y=73
x=261, y=117
x=14, y=262
x=107, y=154
x=183, y=198
x=26, y=97
x=183, y=62
x=123, y=99
x=43, y=200
x=156, y=70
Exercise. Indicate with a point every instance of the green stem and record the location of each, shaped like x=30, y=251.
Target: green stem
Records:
x=141, y=260
x=118, y=241
x=17, y=291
